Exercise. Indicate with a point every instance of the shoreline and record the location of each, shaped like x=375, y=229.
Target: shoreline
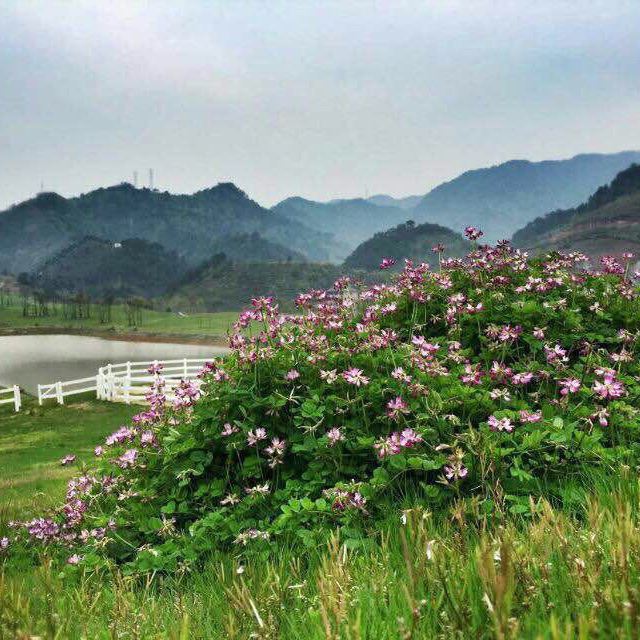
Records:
x=125, y=336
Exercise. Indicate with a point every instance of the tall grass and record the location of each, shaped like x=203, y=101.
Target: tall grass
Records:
x=556, y=574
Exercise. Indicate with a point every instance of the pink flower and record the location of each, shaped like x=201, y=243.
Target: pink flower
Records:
x=127, y=459
x=396, y=442
x=538, y=333
x=334, y=436
x=147, y=438
x=329, y=376
x=220, y=375
x=555, y=354
x=276, y=448
x=602, y=416
x=528, y=416
x=98, y=451
x=155, y=368
x=253, y=437
x=455, y=471
x=399, y=374
x=569, y=385
x=74, y=559
x=121, y=435
x=396, y=407
x=472, y=374
x=409, y=438
x=68, y=459
x=609, y=387
x=522, y=378
x=500, y=424
x=292, y=375
x=355, y=376
x=387, y=263
x=4, y=543
x=509, y=333
x=472, y=233
x=228, y=429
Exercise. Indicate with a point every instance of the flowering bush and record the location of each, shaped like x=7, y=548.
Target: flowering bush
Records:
x=486, y=380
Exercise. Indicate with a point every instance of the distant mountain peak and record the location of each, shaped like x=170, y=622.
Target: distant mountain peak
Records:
x=502, y=198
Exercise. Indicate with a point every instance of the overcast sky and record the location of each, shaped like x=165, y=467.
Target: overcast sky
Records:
x=319, y=99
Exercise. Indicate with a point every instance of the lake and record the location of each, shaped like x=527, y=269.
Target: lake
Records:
x=40, y=359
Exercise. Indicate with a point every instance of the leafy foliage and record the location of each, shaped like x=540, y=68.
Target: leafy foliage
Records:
x=486, y=382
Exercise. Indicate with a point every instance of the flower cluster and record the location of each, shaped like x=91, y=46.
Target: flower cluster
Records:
x=466, y=380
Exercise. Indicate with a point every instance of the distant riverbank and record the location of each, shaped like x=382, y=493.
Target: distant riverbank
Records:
x=126, y=336
x=151, y=325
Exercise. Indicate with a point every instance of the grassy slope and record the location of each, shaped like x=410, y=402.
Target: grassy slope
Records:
x=612, y=228
x=558, y=575
x=209, y=324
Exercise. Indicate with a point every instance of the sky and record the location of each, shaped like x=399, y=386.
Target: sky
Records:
x=318, y=99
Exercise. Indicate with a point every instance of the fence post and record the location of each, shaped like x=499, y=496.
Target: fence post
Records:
x=185, y=368
x=16, y=397
x=109, y=383
x=40, y=394
x=128, y=368
x=59, y=395
x=127, y=393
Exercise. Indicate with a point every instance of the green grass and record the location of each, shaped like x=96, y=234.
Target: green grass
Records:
x=556, y=575
x=206, y=324
x=33, y=441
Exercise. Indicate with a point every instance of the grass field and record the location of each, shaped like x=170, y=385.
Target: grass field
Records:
x=33, y=441
x=558, y=575
x=154, y=322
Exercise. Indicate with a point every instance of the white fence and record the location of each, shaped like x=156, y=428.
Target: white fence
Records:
x=125, y=382
x=14, y=397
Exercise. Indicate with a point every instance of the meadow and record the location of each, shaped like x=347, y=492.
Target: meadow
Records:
x=149, y=322
x=451, y=455
x=558, y=573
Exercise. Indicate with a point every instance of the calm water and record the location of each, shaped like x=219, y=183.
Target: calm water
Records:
x=32, y=360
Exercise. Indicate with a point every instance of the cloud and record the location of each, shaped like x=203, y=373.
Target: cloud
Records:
x=322, y=99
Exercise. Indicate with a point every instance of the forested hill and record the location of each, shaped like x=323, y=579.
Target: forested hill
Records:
x=252, y=247
x=120, y=269
x=607, y=223
x=220, y=284
x=35, y=230
x=407, y=240
x=503, y=198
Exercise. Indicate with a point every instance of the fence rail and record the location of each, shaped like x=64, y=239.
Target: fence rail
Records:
x=14, y=397
x=124, y=382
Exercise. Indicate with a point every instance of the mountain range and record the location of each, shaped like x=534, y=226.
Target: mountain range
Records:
x=500, y=199
x=223, y=219
x=37, y=229
x=607, y=223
